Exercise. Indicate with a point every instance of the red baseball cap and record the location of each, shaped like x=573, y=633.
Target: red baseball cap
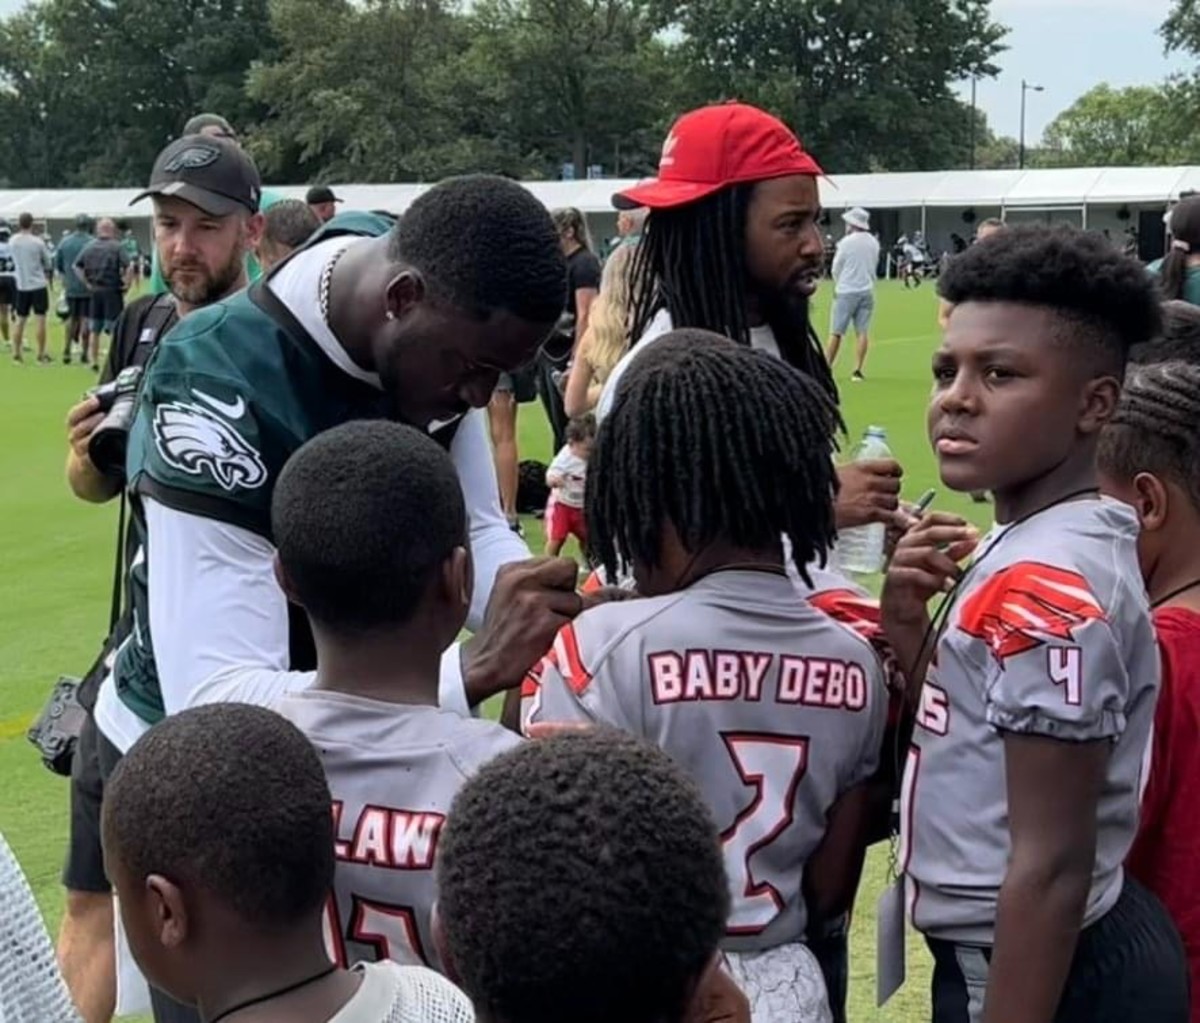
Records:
x=714, y=147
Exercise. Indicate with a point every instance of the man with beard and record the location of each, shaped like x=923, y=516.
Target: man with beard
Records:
x=732, y=245
x=412, y=321
x=206, y=217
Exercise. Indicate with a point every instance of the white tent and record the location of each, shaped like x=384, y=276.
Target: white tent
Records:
x=940, y=201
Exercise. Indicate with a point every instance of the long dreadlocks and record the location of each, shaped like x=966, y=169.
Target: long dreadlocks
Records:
x=691, y=261
x=722, y=442
x=1156, y=427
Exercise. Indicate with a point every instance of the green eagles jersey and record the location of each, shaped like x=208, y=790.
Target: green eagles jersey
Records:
x=231, y=392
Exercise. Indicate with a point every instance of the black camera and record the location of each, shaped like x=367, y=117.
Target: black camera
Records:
x=106, y=446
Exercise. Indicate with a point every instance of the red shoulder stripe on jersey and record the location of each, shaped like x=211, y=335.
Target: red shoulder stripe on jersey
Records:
x=566, y=645
x=593, y=583
x=533, y=677
x=850, y=608
x=1022, y=606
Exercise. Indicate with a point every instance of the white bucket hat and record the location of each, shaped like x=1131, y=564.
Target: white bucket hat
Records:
x=858, y=217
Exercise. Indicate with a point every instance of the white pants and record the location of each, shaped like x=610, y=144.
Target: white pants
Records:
x=783, y=984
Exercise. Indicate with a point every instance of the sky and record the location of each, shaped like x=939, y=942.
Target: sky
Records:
x=1067, y=47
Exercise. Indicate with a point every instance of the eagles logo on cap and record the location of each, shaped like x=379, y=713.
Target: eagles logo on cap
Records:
x=192, y=158
x=213, y=174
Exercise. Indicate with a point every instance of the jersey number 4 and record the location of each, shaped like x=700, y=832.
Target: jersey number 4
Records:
x=772, y=765
x=390, y=931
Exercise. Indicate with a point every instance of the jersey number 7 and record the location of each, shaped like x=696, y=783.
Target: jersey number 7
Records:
x=773, y=766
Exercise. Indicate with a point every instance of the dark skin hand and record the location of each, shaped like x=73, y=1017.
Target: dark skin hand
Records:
x=924, y=564
x=530, y=602
x=869, y=492
x=1042, y=900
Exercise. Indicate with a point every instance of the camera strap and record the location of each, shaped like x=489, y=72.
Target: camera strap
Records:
x=114, y=614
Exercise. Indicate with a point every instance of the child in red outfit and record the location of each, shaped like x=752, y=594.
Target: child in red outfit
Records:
x=566, y=478
x=1150, y=458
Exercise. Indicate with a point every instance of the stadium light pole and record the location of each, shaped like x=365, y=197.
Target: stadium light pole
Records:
x=1025, y=87
x=974, y=131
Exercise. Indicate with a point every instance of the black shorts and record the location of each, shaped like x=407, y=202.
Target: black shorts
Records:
x=84, y=870
x=79, y=307
x=36, y=302
x=106, y=306
x=1129, y=966
x=8, y=291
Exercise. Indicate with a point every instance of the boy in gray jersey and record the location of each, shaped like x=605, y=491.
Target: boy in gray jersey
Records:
x=371, y=532
x=222, y=854
x=712, y=453
x=1035, y=683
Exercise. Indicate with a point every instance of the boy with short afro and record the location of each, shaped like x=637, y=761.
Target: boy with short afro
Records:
x=581, y=879
x=219, y=841
x=1036, y=680
x=371, y=533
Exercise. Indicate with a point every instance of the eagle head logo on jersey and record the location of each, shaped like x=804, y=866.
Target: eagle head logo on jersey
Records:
x=194, y=440
x=1027, y=604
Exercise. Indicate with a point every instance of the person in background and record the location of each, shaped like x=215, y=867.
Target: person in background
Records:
x=1178, y=272
x=105, y=268
x=607, y=336
x=567, y=477
x=855, y=267
x=288, y=224
x=8, y=279
x=583, y=285
x=79, y=297
x=222, y=855
x=583, y=268
x=214, y=126
x=32, y=267
x=629, y=228
x=581, y=879
x=133, y=252
x=322, y=202
x=1149, y=458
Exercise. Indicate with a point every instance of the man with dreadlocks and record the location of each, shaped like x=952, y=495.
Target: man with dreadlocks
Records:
x=732, y=245
x=1149, y=457
x=720, y=664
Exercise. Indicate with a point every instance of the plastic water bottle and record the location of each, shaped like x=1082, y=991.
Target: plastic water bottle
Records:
x=860, y=550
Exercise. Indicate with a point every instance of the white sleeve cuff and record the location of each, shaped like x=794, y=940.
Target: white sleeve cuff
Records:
x=452, y=687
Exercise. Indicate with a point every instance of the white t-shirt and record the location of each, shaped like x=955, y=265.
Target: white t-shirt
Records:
x=762, y=338
x=573, y=471
x=390, y=993
x=855, y=264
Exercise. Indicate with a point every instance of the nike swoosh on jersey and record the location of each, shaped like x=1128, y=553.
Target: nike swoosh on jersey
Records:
x=1027, y=604
x=234, y=410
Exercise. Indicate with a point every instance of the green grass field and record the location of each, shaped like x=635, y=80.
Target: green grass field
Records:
x=56, y=554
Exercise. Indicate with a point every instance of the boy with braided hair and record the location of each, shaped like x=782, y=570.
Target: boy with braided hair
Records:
x=711, y=455
x=1150, y=458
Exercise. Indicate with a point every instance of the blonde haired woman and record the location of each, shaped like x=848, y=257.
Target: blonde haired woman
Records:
x=607, y=336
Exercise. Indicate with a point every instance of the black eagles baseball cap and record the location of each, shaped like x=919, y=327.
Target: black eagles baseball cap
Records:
x=213, y=174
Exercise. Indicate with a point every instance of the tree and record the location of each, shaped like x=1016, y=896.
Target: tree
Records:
x=867, y=85
x=94, y=88
x=1112, y=127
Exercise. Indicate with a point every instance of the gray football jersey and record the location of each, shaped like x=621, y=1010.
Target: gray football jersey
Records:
x=1050, y=634
x=772, y=707
x=393, y=770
